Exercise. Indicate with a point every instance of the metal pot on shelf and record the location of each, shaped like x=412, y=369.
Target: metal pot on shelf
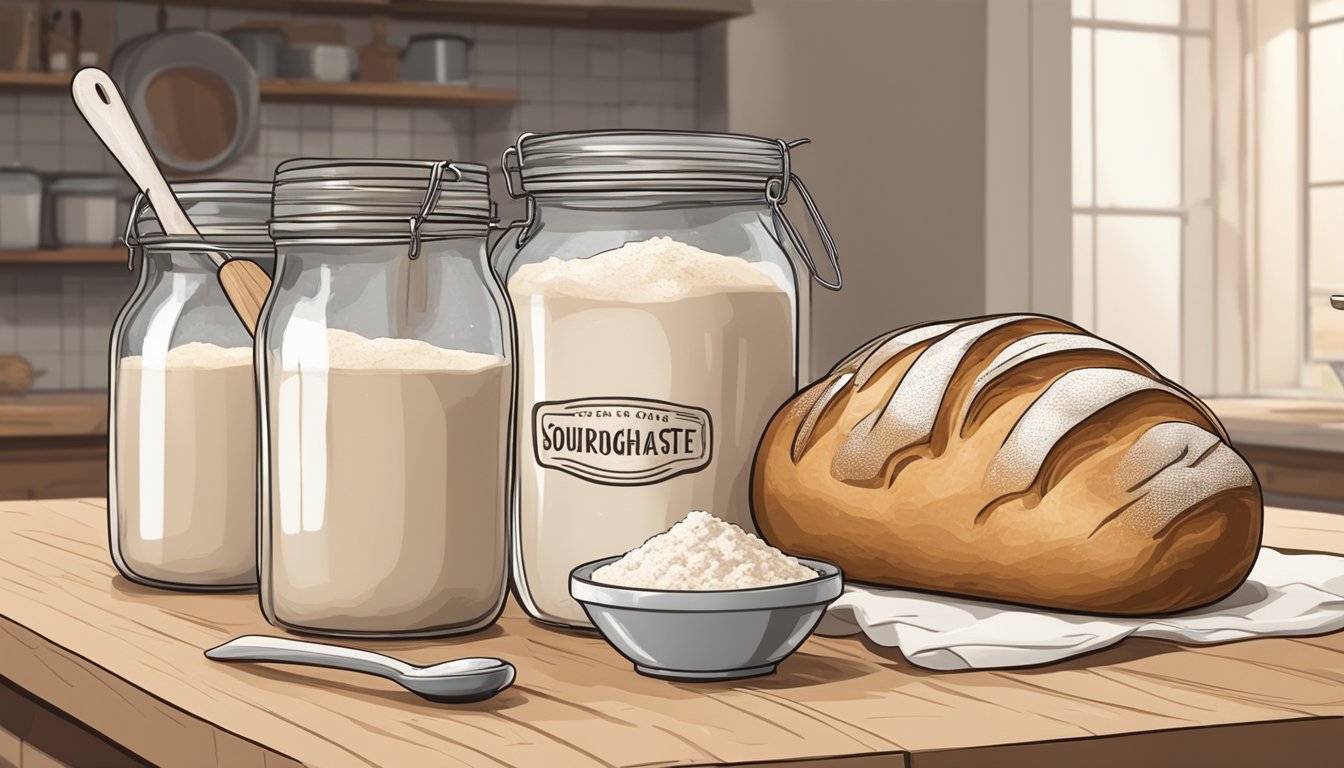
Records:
x=438, y=57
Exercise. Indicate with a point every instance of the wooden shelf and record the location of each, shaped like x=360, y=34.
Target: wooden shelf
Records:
x=35, y=80
x=112, y=255
x=661, y=15
x=390, y=94
x=396, y=93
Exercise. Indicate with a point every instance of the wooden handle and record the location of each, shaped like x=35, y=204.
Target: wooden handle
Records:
x=246, y=284
x=100, y=102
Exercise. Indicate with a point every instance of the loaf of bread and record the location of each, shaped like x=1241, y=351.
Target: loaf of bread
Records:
x=1014, y=458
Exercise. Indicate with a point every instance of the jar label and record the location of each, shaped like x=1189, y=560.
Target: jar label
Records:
x=621, y=440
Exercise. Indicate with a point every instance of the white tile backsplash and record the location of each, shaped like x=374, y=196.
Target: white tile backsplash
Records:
x=352, y=118
x=535, y=58
x=352, y=143
x=604, y=62
x=568, y=79
x=392, y=144
x=568, y=60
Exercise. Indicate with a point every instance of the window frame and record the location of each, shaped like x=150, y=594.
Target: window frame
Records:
x=1183, y=30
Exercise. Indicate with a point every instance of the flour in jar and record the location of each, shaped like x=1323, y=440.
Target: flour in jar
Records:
x=647, y=375
x=703, y=552
x=186, y=476
x=387, y=473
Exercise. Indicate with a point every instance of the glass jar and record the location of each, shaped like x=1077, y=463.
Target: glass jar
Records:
x=182, y=458
x=660, y=310
x=384, y=367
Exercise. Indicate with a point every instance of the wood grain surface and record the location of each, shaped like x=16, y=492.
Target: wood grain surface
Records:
x=126, y=661
x=1302, y=424
x=54, y=414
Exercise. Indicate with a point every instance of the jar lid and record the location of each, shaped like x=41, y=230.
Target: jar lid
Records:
x=645, y=161
x=225, y=212
x=340, y=198
x=86, y=185
x=666, y=163
x=19, y=179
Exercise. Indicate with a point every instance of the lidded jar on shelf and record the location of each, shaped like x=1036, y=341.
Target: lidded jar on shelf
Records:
x=182, y=459
x=383, y=358
x=660, y=297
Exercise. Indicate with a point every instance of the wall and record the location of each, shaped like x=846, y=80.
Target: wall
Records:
x=59, y=317
x=893, y=95
x=1029, y=262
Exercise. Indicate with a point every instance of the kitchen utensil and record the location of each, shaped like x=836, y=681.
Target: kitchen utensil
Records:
x=261, y=47
x=16, y=375
x=16, y=24
x=104, y=109
x=459, y=681
x=76, y=32
x=20, y=209
x=57, y=47
x=720, y=635
x=194, y=94
x=318, y=61
x=436, y=58
x=84, y=210
x=378, y=61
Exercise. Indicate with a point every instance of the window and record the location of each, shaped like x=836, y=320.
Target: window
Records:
x=1143, y=175
x=1323, y=179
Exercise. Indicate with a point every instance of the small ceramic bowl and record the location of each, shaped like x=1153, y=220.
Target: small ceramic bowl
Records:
x=717, y=635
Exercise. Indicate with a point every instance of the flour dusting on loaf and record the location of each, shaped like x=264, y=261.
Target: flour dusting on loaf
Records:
x=1029, y=348
x=1175, y=466
x=1013, y=457
x=909, y=415
x=1070, y=400
x=882, y=352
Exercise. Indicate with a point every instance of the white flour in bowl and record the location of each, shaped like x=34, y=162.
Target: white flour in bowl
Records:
x=702, y=553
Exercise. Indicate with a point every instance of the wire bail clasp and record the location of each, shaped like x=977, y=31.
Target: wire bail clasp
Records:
x=128, y=237
x=431, y=199
x=777, y=192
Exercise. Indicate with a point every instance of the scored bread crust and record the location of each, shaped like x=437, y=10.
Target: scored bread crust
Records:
x=1014, y=458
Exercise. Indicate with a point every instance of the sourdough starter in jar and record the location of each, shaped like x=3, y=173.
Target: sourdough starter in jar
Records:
x=647, y=375
x=186, y=452
x=389, y=457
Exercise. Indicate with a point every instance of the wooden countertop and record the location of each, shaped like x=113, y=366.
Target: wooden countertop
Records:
x=54, y=414
x=1306, y=424
x=126, y=660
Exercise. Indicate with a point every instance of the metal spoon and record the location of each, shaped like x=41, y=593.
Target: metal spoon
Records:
x=103, y=108
x=455, y=682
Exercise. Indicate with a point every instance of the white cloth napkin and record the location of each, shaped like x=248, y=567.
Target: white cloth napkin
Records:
x=1284, y=595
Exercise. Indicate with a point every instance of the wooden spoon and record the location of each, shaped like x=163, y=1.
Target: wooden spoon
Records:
x=100, y=102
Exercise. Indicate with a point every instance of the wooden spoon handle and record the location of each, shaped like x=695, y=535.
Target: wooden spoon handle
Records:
x=246, y=284
x=104, y=109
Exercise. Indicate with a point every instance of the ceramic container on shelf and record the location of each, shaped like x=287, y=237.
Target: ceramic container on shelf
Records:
x=20, y=209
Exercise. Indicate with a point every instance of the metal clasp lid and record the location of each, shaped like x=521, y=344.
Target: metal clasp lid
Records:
x=777, y=192
x=128, y=237
x=516, y=151
x=431, y=200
